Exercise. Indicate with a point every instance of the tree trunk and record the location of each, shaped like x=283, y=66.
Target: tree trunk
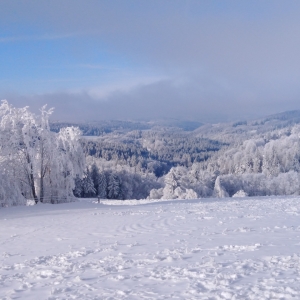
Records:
x=42, y=174
x=42, y=189
x=31, y=179
x=33, y=188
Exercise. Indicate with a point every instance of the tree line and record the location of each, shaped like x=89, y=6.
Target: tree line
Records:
x=43, y=165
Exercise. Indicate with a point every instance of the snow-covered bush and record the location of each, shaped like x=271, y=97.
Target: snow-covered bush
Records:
x=240, y=194
x=176, y=186
x=257, y=185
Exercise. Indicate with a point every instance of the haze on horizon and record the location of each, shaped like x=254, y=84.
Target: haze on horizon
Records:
x=209, y=61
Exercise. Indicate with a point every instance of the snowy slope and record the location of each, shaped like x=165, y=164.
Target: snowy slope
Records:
x=199, y=249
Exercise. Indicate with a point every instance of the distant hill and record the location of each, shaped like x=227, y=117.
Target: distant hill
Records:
x=287, y=117
x=242, y=130
x=181, y=124
x=222, y=131
x=104, y=127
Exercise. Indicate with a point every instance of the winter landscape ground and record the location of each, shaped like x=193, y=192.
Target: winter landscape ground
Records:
x=232, y=248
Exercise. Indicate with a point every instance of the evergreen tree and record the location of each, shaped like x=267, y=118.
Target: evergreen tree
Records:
x=95, y=177
x=102, y=186
x=113, y=186
x=78, y=190
x=88, y=185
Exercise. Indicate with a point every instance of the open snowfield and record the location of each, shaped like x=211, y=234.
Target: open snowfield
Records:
x=193, y=249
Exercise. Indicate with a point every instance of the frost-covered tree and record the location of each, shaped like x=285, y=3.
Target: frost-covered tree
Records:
x=71, y=159
x=10, y=193
x=102, y=186
x=42, y=163
x=219, y=190
x=113, y=186
x=88, y=185
x=170, y=185
x=78, y=189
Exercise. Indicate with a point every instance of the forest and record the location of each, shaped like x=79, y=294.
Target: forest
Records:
x=52, y=162
x=244, y=158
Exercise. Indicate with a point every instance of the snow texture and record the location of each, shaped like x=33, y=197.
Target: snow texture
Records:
x=247, y=248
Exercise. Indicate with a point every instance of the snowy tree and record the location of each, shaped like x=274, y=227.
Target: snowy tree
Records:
x=102, y=186
x=10, y=194
x=170, y=185
x=94, y=172
x=219, y=190
x=78, y=189
x=70, y=158
x=44, y=164
x=113, y=186
x=88, y=185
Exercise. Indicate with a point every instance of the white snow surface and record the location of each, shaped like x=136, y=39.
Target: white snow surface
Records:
x=241, y=248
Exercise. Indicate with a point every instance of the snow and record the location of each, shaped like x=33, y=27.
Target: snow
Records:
x=241, y=248
x=240, y=194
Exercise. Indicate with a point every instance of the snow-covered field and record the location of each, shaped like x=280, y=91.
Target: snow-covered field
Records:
x=194, y=249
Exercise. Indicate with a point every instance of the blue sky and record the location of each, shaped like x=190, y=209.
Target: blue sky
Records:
x=210, y=61
x=38, y=63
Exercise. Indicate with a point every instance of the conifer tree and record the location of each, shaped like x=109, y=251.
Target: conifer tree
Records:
x=113, y=186
x=102, y=186
x=88, y=185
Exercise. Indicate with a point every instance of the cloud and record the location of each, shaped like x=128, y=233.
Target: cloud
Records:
x=95, y=66
x=11, y=39
x=216, y=60
x=188, y=99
